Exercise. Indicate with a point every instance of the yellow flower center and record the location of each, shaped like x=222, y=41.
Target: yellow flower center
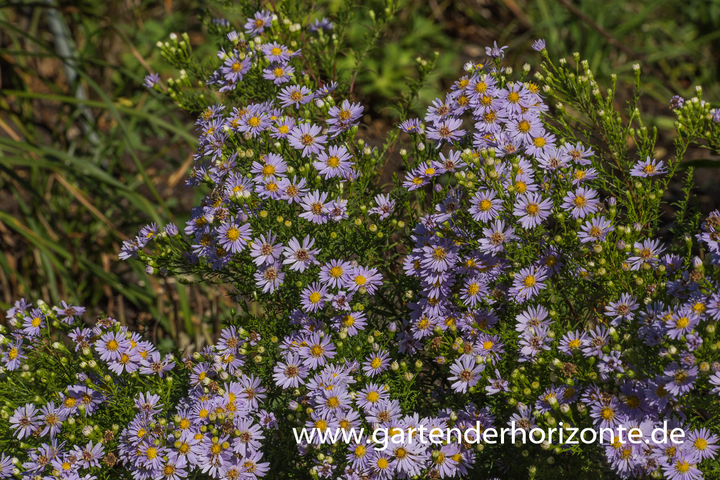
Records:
x=233, y=234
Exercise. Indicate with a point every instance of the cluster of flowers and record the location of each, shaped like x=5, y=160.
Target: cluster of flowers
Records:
x=214, y=425
x=524, y=294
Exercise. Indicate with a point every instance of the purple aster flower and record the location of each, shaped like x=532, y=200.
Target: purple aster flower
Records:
x=51, y=418
x=647, y=253
x=523, y=420
x=376, y=363
x=270, y=165
x=496, y=236
x=341, y=300
x=335, y=162
x=151, y=80
x=320, y=24
x=171, y=229
x=577, y=153
x=572, y=342
x=25, y=420
x=532, y=209
x=532, y=319
x=153, y=365
x=703, y=443
x=233, y=235
x=279, y=73
x=715, y=380
x=515, y=98
x=621, y=310
x=234, y=68
x=384, y=208
x=682, y=323
x=130, y=248
x=270, y=278
x=474, y=289
x=495, y=51
x=173, y=468
x=264, y=250
x=317, y=351
x=333, y=273
x=415, y=179
x=582, y=202
x=607, y=414
x=448, y=130
x=682, y=467
x=412, y=125
x=306, y=137
x=300, y=256
x=254, y=122
x=129, y=362
x=20, y=306
x=295, y=95
x=551, y=159
x=440, y=256
x=680, y=379
x=352, y=322
x=538, y=45
x=611, y=363
x=282, y=127
x=582, y=175
x=258, y=23
x=539, y=144
x=325, y=90
x=33, y=323
x=68, y=312
x=269, y=188
x=528, y=282
x=276, y=52
x=315, y=208
x=439, y=110
x=292, y=190
x=343, y=117
x=466, y=373
x=313, y=297
x=676, y=102
x=497, y=385
x=598, y=339
x=595, y=230
x=111, y=345
x=362, y=277
x=450, y=164
x=526, y=128
x=485, y=206
x=648, y=168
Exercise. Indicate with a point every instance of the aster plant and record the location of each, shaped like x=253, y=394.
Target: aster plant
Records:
x=511, y=277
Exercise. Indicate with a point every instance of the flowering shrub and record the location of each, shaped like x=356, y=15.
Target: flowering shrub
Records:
x=513, y=279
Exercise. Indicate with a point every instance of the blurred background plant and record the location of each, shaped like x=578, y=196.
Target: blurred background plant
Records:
x=87, y=153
